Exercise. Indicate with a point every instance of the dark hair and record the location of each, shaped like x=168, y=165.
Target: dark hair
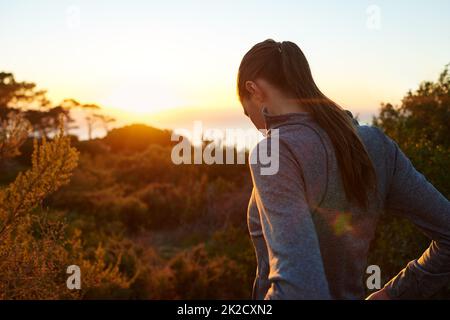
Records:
x=284, y=65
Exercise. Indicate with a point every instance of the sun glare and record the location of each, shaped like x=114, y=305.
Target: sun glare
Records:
x=140, y=98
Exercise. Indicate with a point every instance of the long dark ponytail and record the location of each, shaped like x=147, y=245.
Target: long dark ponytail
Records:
x=284, y=65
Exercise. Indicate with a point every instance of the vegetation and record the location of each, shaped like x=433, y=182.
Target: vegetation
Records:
x=34, y=250
x=141, y=227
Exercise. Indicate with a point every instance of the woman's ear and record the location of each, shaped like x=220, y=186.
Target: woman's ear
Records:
x=254, y=90
x=250, y=86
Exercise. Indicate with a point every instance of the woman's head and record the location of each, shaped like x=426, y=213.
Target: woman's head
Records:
x=279, y=71
x=274, y=70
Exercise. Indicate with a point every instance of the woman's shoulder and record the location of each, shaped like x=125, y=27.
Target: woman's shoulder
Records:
x=376, y=141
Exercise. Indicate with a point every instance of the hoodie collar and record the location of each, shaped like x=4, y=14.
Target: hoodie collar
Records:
x=274, y=121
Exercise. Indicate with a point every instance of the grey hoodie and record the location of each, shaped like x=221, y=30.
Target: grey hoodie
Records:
x=310, y=243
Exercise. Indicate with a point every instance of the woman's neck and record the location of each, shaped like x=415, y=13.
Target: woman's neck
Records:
x=284, y=106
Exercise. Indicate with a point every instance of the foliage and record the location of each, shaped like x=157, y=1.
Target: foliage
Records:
x=136, y=138
x=35, y=251
x=52, y=164
x=17, y=94
x=194, y=274
x=13, y=133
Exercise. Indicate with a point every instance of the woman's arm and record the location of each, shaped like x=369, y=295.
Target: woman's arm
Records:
x=296, y=266
x=412, y=196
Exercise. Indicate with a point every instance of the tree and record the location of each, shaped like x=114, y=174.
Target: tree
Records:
x=105, y=120
x=20, y=95
x=90, y=117
x=423, y=114
x=16, y=97
x=421, y=127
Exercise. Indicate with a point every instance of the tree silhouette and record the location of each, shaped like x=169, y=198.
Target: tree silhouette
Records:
x=24, y=97
x=20, y=95
x=105, y=121
x=90, y=117
x=424, y=115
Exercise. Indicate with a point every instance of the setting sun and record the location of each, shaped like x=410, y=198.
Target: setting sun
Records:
x=131, y=59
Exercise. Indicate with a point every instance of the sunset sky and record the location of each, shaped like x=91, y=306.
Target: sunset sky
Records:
x=168, y=63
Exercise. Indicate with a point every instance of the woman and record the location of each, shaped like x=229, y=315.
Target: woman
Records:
x=312, y=221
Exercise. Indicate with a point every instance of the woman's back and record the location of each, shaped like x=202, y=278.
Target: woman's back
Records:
x=311, y=243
